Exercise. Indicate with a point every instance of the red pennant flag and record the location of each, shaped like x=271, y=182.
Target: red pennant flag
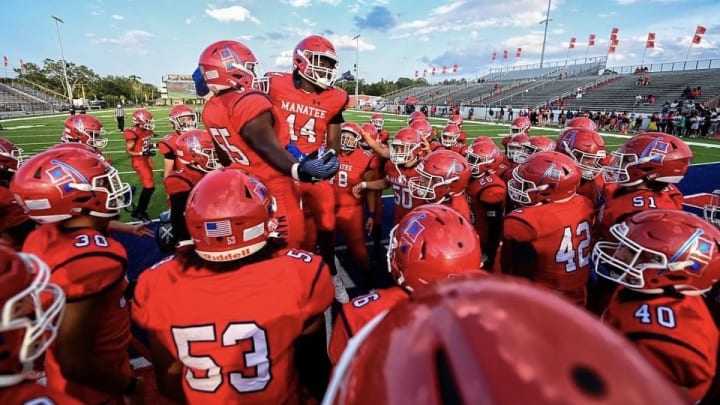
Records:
x=505, y=54
x=591, y=40
x=700, y=30
x=424, y=72
x=444, y=69
x=572, y=42
x=433, y=71
x=696, y=39
x=416, y=73
x=494, y=56
x=614, y=31
x=455, y=68
x=5, y=60
x=611, y=49
x=518, y=52
x=651, y=36
x=616, y=42
x=650, y=44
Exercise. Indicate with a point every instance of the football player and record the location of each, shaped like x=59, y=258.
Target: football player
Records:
x=379, y=122
x=484, y=340
x=664, y=260
x=246, y=300
x=32, y=307
x=431, y=243
x=416, y=115
x=450, y=140
x=711, y=210
x=248, y=132
x=520, y=125
x=457, y=120
x=382, y=155
x=587, y=148
x=356, y=166
x=641, y=176
x=182, y=119
x=194, y=149
x=405, y=154
x=486, y=193
x=533, y=145
x=139, y=147
x=549, y=238
x=74, y=194
x=310, y=107
x=85, y=129
x=442, y=178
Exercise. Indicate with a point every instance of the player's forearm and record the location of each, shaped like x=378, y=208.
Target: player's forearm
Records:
x=379, y=184
x=89, y=371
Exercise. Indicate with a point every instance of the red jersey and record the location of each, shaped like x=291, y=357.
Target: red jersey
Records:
x=460, y=204
x=459, y=148
x=85, y=262
x=305, y=116
x=482, y=192
x=225, y=116
x=32, y=393
x=398, y=177
x=352, y=167
x=560, y=234
x=182, y=181
x=142, y=138
x=593, y=190
x=234, y=332
x=358, y=312
x=676, y=334
x=167, y=146
x=621, y=203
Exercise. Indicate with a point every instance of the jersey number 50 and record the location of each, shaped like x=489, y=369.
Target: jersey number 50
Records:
x=233, y=334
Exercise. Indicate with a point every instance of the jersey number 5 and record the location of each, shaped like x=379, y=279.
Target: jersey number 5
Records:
x=236, y=154
x=574, y=254
x=210, y=371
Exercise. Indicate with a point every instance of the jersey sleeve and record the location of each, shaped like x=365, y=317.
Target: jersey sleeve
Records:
x=517, y=229
x=316, y=288
x=88, y=273
x=176, y=183
x=165, y=148
x=129, y=135
x=148, y=281
x=247, y=108
x=494, y=195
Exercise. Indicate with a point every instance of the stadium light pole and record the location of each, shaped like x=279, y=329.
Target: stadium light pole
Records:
x=62, y=56
x=357, y=72
x=545, y=21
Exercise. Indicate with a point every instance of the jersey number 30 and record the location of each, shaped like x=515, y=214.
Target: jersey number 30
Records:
x=212, y=374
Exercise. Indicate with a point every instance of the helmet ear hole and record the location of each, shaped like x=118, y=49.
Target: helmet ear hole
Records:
x=589, y=381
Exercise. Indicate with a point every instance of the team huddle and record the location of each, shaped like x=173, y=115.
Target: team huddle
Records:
x=530, y=256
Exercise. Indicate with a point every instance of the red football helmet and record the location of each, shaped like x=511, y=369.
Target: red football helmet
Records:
x=228, y=215
x=416, y=115
x=651, y=156
x=657, y=249
x=586, y=146
x=515, y=146
x=378, y=121
x=545, y=177
x=483, y=157
x=85, y=129
x=532, y=146
x=582, y=122
x=368, y=128
x=231, y=64
x=711, y=210
x=350, y=135
x=32, y=308
x=520, y=125
x=456, y=120
x=183, y=118
x=11, y=156
x=315, y=59
x=196, y=148
x=405, y=146
x=432, y=242
x=450, y=135
x=443, y=174
x=144, y=119
x=64, y=182
x=11, y=213
x=491, y=340
x=424, y=127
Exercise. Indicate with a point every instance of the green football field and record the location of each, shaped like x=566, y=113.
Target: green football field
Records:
x=37, y=134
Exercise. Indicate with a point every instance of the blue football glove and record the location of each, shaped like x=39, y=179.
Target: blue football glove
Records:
x=293, y=149
x=317, y=166
x=201, y=88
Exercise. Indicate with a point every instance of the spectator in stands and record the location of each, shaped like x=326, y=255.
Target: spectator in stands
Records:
x=120, y=117
x=501, y=115
x=686, y=92
x=650, y=99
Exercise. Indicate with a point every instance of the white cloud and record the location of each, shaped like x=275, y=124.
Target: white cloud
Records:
x=117, y=17
x=189, y=20
x=347, y=42
x=232, y=13
x=127, y=38
x=284, y=60
x=298, y=3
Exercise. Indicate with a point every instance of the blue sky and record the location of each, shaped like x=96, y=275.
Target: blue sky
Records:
x=154, y=37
